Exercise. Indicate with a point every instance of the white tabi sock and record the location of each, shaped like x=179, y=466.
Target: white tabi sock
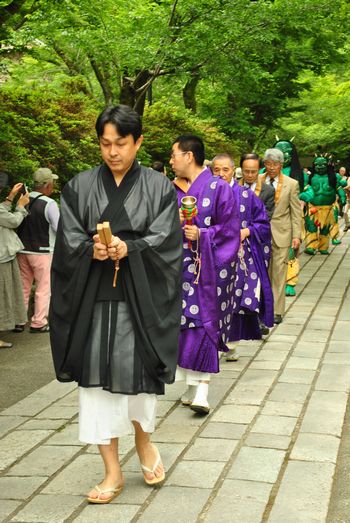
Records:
x=188, y=395
x=201, y=397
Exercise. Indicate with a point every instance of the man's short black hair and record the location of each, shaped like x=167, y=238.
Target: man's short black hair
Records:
x=194, y=144
x=158, y=165
x=126, y=121
x=249, y=156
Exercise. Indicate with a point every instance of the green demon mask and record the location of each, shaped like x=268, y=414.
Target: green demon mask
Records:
x=287, y=149
x=320, y=164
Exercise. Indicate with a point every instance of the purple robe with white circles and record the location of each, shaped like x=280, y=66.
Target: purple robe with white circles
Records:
x=252, y=289
x=207, y=305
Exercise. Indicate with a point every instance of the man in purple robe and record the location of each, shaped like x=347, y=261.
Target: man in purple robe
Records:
x=253, y=300
x=211, y=243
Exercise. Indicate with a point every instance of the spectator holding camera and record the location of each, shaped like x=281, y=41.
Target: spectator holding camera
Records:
x=12, y=213
x=38, y=234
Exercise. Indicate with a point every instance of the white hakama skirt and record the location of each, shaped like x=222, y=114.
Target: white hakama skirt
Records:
x=104, y=415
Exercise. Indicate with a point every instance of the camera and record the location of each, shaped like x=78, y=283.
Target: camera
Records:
x=23, y=190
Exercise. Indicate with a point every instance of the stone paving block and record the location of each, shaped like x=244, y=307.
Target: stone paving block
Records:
x=258, y=377
x=277, y=408
x=239, y=365
x=173, y=392
x=272, y=355
x=337, y=346
x=185, y=503
x=69, y=400
x=223, y=430
x=334, y=378
x=201, y=474
x=316, y=447
x=325, y=413
x=257, y=464
x=247, y=501
x=185, y=416
x=107, y=513
x=7, y=507
x=308, y=350
x=277, y=345
x=174, y=433
x=17, y=443
x=341, y=331
x=163, y=408
x=40, y=399
x=292, y=319
x=135, y=491
x=44, y=509
x=254, y=396
x=281, y=425
x=323, y=325
x=78, y=478
x=67, y=436
x=218, y=387
x=235, y=413
x=302, y=363
x=337, y=358
x=268, y=441
x=43, y=424
x=231, y=374
x=290, y=375
x=314, y=335
x=211, y=449
x=43, y=461
x=168, y=451
x=19, y=487
x=304, y=493
x=55, y=390
x=57, y=412
x=8, y=423
x=283, y=338
x=266, y=365
x=290, y=392
x=289, y=330
x=26, y=407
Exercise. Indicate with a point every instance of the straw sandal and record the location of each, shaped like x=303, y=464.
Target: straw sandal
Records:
x=157, y=479
x=114, y=493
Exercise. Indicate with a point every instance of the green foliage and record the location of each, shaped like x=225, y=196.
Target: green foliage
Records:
x=251, y=61
x=319, y=118
x=163, y=122
x=39, y=128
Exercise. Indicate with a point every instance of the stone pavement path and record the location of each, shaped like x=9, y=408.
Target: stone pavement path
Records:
x=266, y=453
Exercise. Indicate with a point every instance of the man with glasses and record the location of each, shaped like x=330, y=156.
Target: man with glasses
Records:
x=285, y=225
x=250, y=163
x=211, y=240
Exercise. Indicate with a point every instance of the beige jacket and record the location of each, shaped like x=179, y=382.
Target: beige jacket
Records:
x=287, y=216
x=10, y=244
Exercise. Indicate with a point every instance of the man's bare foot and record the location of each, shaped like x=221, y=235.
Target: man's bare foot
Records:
x=151, y=464
x=107, y=490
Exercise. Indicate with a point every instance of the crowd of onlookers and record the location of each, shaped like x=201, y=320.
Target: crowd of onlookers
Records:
x=28, y=224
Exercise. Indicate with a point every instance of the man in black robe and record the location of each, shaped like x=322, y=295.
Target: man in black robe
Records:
x=119, y=342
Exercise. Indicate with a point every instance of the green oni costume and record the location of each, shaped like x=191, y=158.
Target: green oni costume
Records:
x=321, y=194
x=293, y=169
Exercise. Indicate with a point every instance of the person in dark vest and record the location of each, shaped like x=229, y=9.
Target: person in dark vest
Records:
x=37, y=233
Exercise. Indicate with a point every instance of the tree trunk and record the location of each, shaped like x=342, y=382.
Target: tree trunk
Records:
x=189, y=92
x=102, y=78
x=133, y=91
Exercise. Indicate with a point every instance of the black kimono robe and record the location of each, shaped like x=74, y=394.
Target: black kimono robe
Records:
x=83, y=317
